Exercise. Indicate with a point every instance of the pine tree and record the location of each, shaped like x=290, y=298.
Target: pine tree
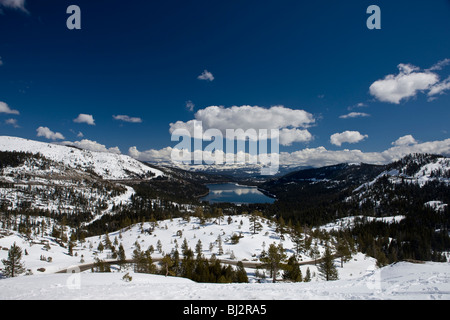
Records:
x=273, y=260
x=167, y=263
x=344, y=251
x=121, y=256
x=327, y=269
x=255, y=225
x=241, y=274
x=292, y=270
x=314, y=252
x=308, y=275
x=13, y=265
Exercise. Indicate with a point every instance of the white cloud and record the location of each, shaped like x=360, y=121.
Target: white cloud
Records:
x=85, y=118
x=440, y=65
x=250, y=117
x=126, y=118
x=1, y=61
x=14, y=4
x=4, y=108
x=289, y=136
x=318, y=157
x=405, y=85
x=439, y=88
x=347, y=137
x=206, y=75
x=163, y=155
x=91, y=146
x=12, y=122
x=405, y=141
x=355, y=115
x=49, y=134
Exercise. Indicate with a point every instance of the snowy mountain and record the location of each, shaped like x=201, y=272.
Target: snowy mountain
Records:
x=428, y=173
x=56, y=179
x=108, y=166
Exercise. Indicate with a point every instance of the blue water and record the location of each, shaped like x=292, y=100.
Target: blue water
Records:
x=232, y=193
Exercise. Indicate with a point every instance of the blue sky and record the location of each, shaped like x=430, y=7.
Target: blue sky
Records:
x=143, y=60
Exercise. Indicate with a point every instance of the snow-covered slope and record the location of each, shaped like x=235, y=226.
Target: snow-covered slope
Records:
x=417, y=169
x=170, y=235
x=401, y=281
x=359, y=278
x=109, y=166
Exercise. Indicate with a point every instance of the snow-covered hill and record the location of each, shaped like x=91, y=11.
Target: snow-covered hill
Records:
x=109, y=166
x=401, y=281
x=413, y=171
x=164, y=236
x=359, y=278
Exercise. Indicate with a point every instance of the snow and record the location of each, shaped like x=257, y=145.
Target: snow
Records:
x=165, y=232
x=350, y=222
x=401, y=281
x=359, y=278
x=107, y=165
x=438, y=206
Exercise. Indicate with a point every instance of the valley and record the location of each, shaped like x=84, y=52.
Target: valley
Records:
x=101, y=212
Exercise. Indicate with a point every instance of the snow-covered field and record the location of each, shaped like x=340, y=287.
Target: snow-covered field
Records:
x=359, y=278
x=401, y=281
x=164, y=236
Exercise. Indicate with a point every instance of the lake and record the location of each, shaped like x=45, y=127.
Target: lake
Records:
x=233, y=193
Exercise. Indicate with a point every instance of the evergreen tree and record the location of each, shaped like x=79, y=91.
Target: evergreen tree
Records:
x=314, y=252
x=13, y=265
x=308, y=275
x=327, y=269
x=121, y=258
x=167, y=263
x=198, y=248
x=273, y=260
x=255, y=225
x=343, y=250
x=292, y=270
x=240, y=274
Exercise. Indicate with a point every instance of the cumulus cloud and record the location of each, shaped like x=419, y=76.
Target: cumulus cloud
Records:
x=405, y=141
x=315, y=157
x=126, y=118
x=49, y=134
x=162, y=155
x=347, y=137
x=91, y=146
x=318, y=157
x=85, y=118
x=4, y=108
x=13, y=4
x=291, y=123
x=289, y=136
x=355, y=115
x=206, y=75
x=405, y=85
